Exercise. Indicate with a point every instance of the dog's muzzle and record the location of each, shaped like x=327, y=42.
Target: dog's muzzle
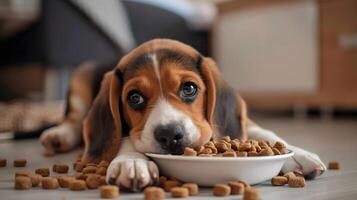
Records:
x=170, y=137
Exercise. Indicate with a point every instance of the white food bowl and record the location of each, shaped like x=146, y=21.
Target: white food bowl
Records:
x=207, y=171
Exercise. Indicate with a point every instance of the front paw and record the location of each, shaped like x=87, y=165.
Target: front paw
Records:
x=309, y=163
x=60, y=138
x=132, y=174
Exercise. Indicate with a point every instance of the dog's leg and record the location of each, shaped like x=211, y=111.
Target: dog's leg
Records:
x=67, y=134
x=131, y=169
x=308, y=162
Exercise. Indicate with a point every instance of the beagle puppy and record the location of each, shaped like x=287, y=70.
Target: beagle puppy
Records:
x=161, y=97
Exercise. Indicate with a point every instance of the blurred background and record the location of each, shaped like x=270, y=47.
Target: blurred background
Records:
x=287, y=58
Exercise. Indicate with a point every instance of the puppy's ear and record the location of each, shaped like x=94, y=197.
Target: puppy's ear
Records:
x=103, y=126
x=225, y=110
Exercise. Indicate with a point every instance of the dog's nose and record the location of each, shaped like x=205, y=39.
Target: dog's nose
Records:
x=170, y=137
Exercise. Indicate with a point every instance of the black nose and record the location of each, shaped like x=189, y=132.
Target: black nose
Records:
x=170, y=137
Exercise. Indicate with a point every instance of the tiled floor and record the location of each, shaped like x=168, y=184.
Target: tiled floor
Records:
x=332, y=140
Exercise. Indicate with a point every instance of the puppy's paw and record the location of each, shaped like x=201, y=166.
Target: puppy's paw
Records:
x=309, y=163
x=132, y=174
x=60, y=138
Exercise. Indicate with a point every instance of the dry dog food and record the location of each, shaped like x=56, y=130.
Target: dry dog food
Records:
x=236, y=187
x=101, y=171
x=78, y=166
x=49, y=183
x=162, y=180
x=104, y=164
x=93, y=181
x=23, y=183
x=77, y=185
x=60, y=168
x=64, y=181
x=296, y=182
x=89, y=170
x=279, y=180
x=171, y=184
x=189, y=152
x=179, y=192
x=102, y=181
x=226, y=147
x=289, y=175
x=221, y=190
x=2, y=162
x=20, y=163
x=22, y=173
x=192, y=188
x=109, y=191
x=334, y=165
x=35, y=179
x=154, y=193
x=44, y=172
x=251, y=194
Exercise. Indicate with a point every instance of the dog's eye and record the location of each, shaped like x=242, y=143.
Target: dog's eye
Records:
x=136, y=100
x=188, y=92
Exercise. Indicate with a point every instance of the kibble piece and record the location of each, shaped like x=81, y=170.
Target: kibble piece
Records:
x=280, y=146
x=263, y=144
x=60, y=168
x=23, y=183
x=245, y=146
x=276, y=151
x=289, y=175
x=154, y=193
x=279, y=180
x=296, y=182
x=334, y=165
x=179, y=192
x=206, y=151
x=235, y=145
x=44, y=172
x=22, y=173
x=192, y=188
x=89, y=170
x=189, y=152
x=49, y=183
x=103, y=163
x=78, y=166
x=101, y=171
x=35, y=179
x=109, y=191
x=77, y=185
x=236, y=187
x=245, y=183
x=91, y=164
x=242, y=154
x=2, y=162
x=222, y=147
x=229, y=154
x=221, y=190
x=252, y=153
x=251, y=194
x=20, y=163
x=64, y=181
x=171, y=184
x=79, y=176
x=162, y=181
x=102, y=181
x=266, y=152
x=93, y=181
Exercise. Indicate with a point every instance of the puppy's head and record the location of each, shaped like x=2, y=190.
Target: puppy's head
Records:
x=167, y=96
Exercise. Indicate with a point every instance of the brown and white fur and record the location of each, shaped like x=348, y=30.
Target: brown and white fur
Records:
x=146, y=104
